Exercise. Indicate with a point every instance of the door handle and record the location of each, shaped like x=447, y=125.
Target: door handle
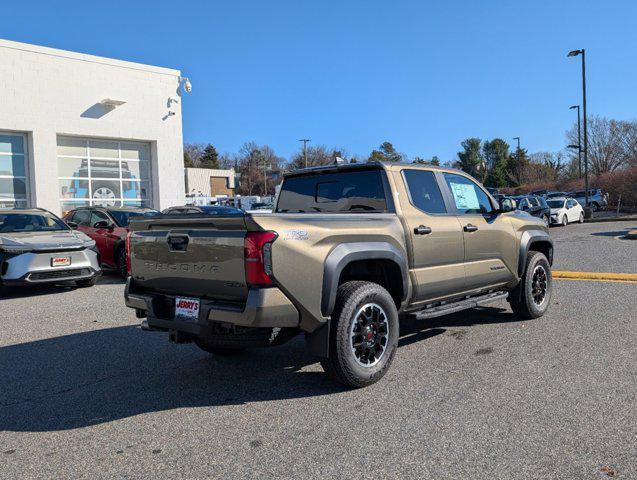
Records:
x=422, y=230
x=470, y=228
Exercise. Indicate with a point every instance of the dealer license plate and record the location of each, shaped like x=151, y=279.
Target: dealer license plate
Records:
x=186, y=309
x=60, y=261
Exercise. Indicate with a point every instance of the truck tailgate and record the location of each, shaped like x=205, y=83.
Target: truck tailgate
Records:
x=190, y=256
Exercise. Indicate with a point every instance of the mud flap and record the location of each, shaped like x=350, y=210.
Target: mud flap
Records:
x=318, y=341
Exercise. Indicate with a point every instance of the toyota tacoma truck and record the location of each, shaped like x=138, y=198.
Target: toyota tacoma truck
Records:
x=348, y=250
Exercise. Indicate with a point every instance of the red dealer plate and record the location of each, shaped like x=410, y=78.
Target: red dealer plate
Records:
x=60, y=261
x=186, y=308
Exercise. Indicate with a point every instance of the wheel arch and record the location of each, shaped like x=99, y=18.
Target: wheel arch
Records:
x=535, y=240
x=368, y=259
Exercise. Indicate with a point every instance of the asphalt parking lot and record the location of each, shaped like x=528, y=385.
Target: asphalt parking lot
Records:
x=85, y=394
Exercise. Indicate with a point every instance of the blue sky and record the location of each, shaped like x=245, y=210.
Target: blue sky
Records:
x=421, y=74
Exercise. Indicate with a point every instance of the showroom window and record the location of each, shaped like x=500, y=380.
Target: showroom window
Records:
x=13, y=175
x=103, y=172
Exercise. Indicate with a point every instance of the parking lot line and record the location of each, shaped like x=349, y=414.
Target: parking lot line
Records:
x=596, y=276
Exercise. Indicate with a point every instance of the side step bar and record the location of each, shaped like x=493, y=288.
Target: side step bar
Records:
x=459, y=305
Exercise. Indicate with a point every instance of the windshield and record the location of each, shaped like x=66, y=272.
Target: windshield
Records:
x=122, y=217
x=30, y=222
x=220, y=210
x=352, y=191
x=555, y=203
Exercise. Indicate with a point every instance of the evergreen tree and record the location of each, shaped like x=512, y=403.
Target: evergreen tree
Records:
x=209, y=158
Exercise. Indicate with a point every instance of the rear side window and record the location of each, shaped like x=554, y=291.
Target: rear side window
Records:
x=354, y=191
x=424, y=191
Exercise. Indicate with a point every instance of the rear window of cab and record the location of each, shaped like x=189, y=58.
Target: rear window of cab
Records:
x=349, y=191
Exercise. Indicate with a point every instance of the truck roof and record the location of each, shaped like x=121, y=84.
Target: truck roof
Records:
x=385, y=165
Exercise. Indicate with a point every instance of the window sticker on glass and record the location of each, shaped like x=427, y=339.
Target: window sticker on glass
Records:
x=464, y=196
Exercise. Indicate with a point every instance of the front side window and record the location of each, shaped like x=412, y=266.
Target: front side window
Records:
x=348, y=191
x=29, y=222
x=13, y=177
x=424, y=191
x=468, y=197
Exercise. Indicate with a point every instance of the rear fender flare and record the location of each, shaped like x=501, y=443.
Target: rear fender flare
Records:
x=346, y=253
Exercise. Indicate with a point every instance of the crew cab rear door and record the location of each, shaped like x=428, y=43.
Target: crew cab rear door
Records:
x=435, y=235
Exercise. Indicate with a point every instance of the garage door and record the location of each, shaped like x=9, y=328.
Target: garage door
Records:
x=103, y=172
x=13, y=177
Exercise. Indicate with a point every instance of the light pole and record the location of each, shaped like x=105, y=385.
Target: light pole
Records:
x=575, y=53
x=305, y=140
x=579, y=140
x=517, y=152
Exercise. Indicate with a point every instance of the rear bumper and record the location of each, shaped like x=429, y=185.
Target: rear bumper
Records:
x=264, y=307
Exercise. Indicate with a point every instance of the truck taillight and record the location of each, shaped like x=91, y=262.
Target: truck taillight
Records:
x=258, y=258
x=128, y=235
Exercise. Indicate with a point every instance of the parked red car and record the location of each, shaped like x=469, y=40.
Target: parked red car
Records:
x=108, y=226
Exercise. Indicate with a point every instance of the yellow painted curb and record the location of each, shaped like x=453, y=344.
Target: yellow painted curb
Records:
x=612, y=277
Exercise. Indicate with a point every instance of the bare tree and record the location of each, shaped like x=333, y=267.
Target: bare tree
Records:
x=608, y=144
x=253, y=163
x=316, y=155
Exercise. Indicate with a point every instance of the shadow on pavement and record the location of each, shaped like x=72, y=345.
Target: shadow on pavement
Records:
x=24, y=291
x=613, y=234
x=99, y=376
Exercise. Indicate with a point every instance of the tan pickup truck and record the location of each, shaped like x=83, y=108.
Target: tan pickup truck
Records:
x=348, y=250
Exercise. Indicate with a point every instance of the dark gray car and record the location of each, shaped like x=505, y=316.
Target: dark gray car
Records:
x=38, y=247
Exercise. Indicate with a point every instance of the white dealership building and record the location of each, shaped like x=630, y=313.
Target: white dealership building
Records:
x=78, y=129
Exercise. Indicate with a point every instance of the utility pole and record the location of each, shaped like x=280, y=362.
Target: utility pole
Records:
x=518, y=150
x=575, y=53
x=305, y=140
x=579, y=141
x=264, y=164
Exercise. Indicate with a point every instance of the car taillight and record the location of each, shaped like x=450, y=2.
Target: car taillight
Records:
x=258, y=258
x=128, y=235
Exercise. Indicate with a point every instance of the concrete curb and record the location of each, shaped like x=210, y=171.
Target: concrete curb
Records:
x=596, y=276
x=610, y=219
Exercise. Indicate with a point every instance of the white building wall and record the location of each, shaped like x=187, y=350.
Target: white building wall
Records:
x=198, y=179
x=46, y=92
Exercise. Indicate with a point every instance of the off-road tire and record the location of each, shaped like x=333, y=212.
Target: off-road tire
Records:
x=120, y=262
x=342, y=364
x=232, y=343
x=89, y=282
x=521, y=299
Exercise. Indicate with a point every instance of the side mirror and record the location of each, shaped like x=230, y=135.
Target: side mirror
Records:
x=103, y=224
x=73, y=225
x=507, y=205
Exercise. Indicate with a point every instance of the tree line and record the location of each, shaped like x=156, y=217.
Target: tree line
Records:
x=612, y=145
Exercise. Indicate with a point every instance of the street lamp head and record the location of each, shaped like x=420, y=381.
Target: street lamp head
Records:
x=574, y=53
x=516, y=138
x=576, y=147
x=572, y=107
